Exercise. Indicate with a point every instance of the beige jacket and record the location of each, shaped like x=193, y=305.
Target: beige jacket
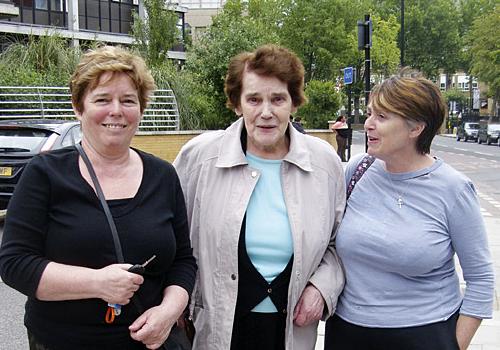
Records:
x=217, y=184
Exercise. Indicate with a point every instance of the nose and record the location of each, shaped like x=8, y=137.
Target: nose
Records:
x=267, y=110
x=368, y=123
x=115, y=108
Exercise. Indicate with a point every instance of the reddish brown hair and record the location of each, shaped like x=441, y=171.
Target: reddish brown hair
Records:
x=267, y=60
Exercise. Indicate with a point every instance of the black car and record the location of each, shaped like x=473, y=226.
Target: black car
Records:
x=20, y=140
x=490, y=134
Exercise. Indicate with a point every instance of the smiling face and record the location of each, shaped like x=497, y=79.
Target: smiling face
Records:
x=391, y=138
x=266, y=106
x=111, y=114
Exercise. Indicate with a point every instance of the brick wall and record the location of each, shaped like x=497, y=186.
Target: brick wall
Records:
x=166, y=146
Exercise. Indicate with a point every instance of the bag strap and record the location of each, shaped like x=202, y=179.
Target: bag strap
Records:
x=104, y=204
x=362, y=167
x=116, y=239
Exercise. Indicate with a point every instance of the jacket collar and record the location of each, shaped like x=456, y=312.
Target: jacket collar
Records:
x=231, y=151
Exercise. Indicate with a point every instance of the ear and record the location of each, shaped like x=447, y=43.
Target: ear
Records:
x=294, y=109
x=238, y=111
x=78, y=115
x=416, y=130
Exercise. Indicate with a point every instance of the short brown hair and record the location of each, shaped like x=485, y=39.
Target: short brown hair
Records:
x=115, y=59
x=267, y=60
x=415, y=99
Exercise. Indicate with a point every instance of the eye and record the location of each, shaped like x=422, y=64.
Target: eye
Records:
x=253, y=100
x=130, y=101
x=101, y=100
x=279, y=99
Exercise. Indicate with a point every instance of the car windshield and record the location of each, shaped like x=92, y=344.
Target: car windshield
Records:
x=22, y=140
x=472, y=126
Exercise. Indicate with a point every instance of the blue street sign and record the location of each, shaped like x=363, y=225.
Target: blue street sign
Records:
x=348, y=75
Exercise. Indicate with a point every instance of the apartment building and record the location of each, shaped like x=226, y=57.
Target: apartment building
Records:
x=200, y=13
x=108, y=21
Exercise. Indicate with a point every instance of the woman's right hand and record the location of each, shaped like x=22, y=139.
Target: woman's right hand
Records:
x=116, y=284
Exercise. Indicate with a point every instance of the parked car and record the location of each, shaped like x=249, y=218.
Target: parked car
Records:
x=21, y=140
x=467, y=131
x=489, y=134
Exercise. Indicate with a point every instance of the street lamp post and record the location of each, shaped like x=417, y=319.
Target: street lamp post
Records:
x=402, y=33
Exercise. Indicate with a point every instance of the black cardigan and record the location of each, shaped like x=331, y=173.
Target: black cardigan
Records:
x=55, y=215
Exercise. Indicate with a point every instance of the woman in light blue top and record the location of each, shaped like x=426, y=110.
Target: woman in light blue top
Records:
x=406, y=218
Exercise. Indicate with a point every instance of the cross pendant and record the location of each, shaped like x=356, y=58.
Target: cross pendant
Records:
x=400, y=202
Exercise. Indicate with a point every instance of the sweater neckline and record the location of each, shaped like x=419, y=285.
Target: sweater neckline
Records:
x=122, y=209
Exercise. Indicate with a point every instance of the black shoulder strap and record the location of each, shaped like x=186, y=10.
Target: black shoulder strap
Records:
x=104, y=204
x=362, y=167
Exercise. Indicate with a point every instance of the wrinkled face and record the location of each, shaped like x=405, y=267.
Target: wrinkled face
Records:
x=266, y=106
x=111, y=113
x=389, y=135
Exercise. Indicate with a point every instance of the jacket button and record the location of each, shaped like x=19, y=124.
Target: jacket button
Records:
x=233, y=277
x=254, y=174
x=270, y=290
x=283, y=311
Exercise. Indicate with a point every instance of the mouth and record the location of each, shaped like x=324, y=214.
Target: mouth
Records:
x=372, y=139
x=114, y=125
x=266, y=127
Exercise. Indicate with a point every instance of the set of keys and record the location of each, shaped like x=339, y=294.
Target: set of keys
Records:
x=116, y=309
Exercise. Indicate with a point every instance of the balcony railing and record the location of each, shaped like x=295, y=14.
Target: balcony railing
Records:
x=34, y=102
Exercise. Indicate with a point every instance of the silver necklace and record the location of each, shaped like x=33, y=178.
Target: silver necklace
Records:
x=400, y=202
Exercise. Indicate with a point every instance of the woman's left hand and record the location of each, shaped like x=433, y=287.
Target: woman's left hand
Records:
x=309, y=309
x=153, y=326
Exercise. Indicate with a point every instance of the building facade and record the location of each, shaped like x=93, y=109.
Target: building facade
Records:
x=107, y=21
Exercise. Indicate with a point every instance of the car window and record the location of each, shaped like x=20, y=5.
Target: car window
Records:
x=22, y=140
x=74, y=135
x=472, y=126
x=494, y=127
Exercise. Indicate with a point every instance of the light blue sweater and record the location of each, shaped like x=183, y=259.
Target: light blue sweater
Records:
x=399, y=262
x=268, y=236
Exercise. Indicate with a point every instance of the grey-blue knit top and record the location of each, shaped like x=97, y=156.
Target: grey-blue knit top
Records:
x=399, y=257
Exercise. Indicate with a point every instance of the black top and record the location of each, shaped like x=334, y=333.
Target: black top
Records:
x=55, y=215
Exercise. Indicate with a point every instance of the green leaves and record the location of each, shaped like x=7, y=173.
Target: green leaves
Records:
x=323, y=102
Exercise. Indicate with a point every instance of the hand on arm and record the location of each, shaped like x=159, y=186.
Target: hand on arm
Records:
x=309, y=308
x=153, y=326
x=112, y=283
x=466, y=328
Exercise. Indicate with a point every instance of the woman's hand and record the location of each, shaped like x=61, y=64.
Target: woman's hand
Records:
x=117, y=285
x=153, y=326
x=466, y=328
x=309, y=309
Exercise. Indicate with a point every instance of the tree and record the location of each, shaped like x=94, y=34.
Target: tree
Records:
x=323, y=102
x=485, y=51
x=157, y=33
x=432, y=37
x=232, y=32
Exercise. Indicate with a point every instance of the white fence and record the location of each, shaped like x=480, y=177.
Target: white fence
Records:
x=34, y=102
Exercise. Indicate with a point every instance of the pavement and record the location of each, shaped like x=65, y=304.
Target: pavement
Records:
x=488, y=335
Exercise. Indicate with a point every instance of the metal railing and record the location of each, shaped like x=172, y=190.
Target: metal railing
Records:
x=34, y=102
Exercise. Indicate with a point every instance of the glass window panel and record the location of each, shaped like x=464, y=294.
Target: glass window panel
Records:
x=41, y=17
x=41, y=4
x=93, y=23
x=57, y=19
x=115, y=26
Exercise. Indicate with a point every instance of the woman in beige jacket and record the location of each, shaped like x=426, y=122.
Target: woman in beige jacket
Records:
x=264, y=202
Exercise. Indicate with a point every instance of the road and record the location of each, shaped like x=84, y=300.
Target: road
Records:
x=481, y=163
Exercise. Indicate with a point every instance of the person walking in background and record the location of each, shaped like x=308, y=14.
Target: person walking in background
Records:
x=340, y=128
x=406, y=218
x=264, y=202
x=58, y=247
